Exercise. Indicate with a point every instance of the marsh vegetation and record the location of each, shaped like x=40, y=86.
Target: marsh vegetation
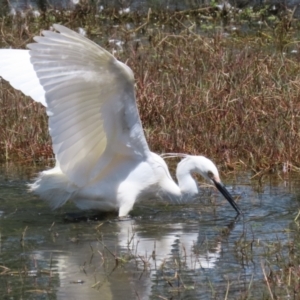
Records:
x=210, y=81
x=221, y=82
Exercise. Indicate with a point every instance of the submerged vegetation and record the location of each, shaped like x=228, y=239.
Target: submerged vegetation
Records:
x=215, y=81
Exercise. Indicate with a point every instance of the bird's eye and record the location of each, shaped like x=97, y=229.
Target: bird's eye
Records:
x=210, y=174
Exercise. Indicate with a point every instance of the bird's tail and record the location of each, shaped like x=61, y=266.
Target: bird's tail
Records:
x=52, y=186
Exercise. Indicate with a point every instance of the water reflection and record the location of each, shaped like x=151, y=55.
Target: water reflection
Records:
x=122, y=259
x=177, y=242
x=189, y=251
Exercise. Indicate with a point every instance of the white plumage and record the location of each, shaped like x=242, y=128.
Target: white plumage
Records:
x=103, y=160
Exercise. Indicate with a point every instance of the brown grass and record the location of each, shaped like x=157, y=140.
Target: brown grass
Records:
x=234, y=98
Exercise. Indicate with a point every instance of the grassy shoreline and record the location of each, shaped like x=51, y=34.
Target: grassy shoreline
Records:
x=204, y=85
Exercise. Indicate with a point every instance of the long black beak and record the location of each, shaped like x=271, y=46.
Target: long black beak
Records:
x=227, y=195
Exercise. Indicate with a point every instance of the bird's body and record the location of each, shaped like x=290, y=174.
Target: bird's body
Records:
x=117, y=187
x=102, y=157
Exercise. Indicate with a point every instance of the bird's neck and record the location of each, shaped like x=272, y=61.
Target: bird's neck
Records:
x=186, y=182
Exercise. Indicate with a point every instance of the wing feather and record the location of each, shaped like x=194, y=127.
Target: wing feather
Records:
x=15, y=67
x=90, y=100
x=91, y=103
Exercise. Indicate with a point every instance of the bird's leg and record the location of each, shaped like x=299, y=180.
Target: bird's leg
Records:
x=126, y=207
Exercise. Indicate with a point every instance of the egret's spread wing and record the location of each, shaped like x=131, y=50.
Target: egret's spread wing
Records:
x=90, y=102
x=15, y=67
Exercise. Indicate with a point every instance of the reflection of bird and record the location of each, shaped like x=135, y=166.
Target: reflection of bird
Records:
x=103, y=161
x=177, y=237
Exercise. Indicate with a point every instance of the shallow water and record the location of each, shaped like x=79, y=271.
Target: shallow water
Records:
x=194, y=251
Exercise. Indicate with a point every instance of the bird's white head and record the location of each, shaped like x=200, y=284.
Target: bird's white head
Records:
x=198, y=164
x=206, y=168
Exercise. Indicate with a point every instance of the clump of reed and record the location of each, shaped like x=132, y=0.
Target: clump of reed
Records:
x=202, y=87
x=23, y=127
x=233, y=98
x=281, y=268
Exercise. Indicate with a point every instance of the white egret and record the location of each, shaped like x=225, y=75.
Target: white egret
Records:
x=103, y=161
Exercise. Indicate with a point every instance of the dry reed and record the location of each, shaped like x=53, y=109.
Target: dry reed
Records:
x=225, y=93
